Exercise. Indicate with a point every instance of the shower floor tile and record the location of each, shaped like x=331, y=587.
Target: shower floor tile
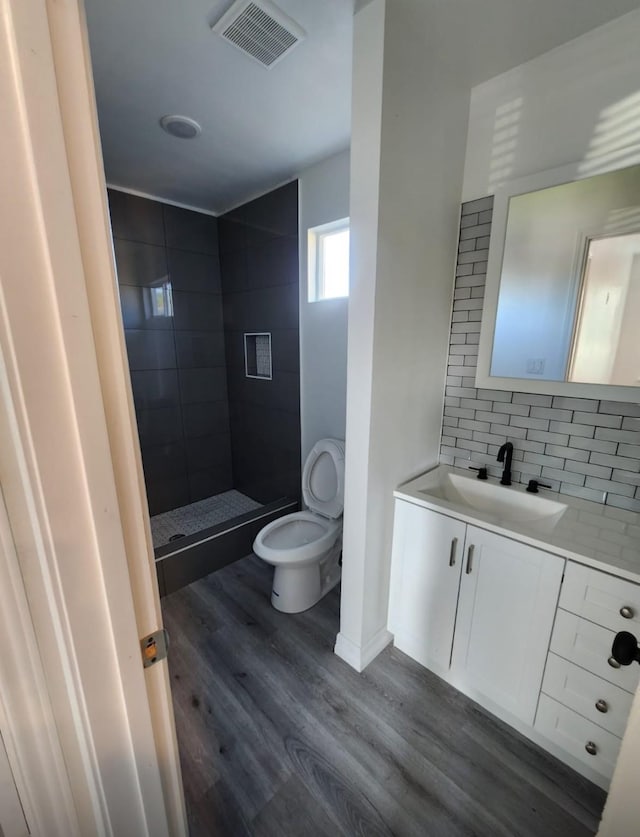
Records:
x=187, y=520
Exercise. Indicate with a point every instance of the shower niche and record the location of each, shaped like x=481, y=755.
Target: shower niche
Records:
x=210, y=314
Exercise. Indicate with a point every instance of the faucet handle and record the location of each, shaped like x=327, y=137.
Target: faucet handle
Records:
x=482, y=472
x=534, y=485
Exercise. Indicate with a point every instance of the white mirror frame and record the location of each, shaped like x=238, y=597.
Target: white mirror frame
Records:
x=484, y=379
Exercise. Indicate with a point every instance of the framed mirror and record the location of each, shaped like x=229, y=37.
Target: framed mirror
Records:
x=562, y=301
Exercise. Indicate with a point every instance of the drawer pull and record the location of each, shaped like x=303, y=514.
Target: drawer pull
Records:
x=613, y=662
x=469, y=559
x=591, y=748
x=602, y=705
x=627, y=612
x=452, y=554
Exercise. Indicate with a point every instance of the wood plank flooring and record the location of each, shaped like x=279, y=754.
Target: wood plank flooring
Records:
x=278, y=736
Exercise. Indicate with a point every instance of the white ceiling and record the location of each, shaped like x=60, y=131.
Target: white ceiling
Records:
x=262, y=127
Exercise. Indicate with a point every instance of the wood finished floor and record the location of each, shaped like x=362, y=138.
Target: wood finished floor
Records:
x=279, y=737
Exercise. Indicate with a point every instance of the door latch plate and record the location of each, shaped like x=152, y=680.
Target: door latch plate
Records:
x=154, y=647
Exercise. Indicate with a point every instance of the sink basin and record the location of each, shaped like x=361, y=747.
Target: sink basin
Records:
x=506, y=503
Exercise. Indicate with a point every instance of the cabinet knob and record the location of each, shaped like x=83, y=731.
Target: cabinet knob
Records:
x=602, y=705
x=613, y=662
x=627, y=612
x=591, y=748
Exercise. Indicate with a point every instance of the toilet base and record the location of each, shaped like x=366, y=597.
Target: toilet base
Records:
x=298, y=588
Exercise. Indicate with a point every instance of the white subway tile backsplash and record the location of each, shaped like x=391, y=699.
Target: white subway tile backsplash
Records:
x=580, y=446
x=563, y=476
x=526, y=421
x=478, y=205
x=550, y=438
x=532, y=399
x=631, y=424
x=610, y=486
x=629, y=450
x=568, y=453
x=551, y=413
x=623, y=503
x=621, y=462
x=588, y=468
x=571, y=427
x=629, y=477
x=619, y=408
x=475, y=231
x=586, y=404
x=582, y=492
x=510, y=431
x=598, y=419
x=631, y=437
x=543, y=459
x=495, y=395
x=592, y=444
x=511, y=409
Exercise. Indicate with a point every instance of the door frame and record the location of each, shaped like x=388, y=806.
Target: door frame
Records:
x=70, y=467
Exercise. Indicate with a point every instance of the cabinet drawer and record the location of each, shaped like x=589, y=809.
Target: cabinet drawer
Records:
x=589, y=646
x=580, y=690
x=601, y=598
x=573, y=733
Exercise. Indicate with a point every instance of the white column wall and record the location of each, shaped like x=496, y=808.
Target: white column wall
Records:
x=405, y=235
x=324, y=197
x=366, y=126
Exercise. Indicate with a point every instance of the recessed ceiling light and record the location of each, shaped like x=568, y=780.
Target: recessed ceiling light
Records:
x=180, y=126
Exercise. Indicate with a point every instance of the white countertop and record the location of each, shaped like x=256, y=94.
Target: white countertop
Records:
x=590, y=533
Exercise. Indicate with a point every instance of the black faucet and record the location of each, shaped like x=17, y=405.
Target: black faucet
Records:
x=505, y=454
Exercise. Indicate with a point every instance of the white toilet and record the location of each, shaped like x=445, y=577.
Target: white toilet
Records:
x=304, y=547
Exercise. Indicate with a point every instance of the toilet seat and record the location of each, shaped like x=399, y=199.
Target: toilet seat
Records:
x=296, y=538
x=323, y=478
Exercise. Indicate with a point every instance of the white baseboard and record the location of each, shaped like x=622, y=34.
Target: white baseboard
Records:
x=358, y=656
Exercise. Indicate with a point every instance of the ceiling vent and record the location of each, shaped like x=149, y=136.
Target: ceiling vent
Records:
x=260, y=29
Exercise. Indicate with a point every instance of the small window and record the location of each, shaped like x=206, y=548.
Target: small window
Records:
x=329, y=261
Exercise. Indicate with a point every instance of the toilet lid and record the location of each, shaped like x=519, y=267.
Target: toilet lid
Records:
x=323, y=478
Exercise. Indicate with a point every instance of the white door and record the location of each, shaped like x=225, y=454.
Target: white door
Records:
x=508, y=597
x=12, y=821
x=426, y=564
x=69, y=457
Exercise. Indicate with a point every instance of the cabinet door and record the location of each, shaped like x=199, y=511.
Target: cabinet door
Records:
x=508, y=597
x=425, y=576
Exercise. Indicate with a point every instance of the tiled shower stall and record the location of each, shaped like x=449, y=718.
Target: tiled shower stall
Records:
x=217, y=445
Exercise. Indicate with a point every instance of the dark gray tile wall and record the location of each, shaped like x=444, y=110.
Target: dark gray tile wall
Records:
x=178, y=365
x=260, y=286
x=583, y=447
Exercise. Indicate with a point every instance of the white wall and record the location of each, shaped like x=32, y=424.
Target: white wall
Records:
x=324, y=197
x=577, y=103
x=404, y=228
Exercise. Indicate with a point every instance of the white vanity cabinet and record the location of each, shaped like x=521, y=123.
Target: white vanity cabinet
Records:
x=586, y=695
x=475, y=607
x=504, y=596
x=508, y=597
x=427, y=560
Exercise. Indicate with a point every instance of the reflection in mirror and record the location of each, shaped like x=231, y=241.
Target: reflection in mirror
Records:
x=606, y=348
x=569, y=290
